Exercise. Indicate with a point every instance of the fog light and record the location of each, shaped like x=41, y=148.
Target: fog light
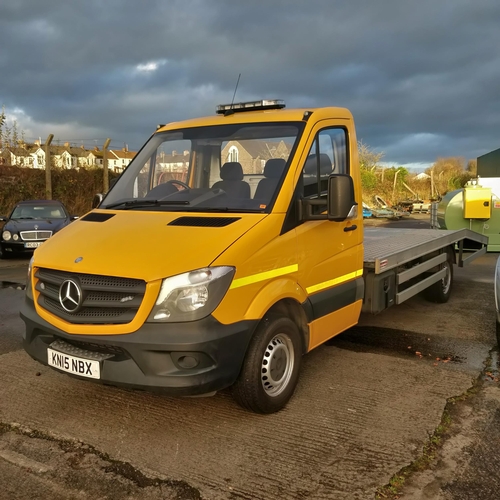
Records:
x=162, y=314
x=188, y=362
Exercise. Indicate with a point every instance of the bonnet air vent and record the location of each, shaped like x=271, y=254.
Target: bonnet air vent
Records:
x=204, y=221
x=97, y=217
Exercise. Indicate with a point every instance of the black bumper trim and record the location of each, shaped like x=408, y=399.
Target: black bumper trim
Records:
x=153, y=358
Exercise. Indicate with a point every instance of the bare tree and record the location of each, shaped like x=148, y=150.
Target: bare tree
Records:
x=7, y=135
x=15, y=134
x=472, y=167
x=448, y=174
x=368, y=159
x=2, y=123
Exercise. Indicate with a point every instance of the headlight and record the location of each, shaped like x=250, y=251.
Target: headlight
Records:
x=15, y=237
x=6, y=236
x=191, y=296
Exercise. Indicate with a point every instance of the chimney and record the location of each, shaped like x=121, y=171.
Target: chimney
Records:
x=174, y=153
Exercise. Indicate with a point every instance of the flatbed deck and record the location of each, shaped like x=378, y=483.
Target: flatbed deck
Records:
x=387, y=248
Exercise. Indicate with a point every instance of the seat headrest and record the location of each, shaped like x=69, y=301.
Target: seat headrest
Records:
x=325, y=164
x=231, y=171
x=274, y=168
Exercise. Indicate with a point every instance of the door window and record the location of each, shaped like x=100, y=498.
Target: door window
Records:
x=328, y=155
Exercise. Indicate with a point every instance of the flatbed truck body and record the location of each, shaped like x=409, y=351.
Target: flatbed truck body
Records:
x=400, y=263
x=229, y=247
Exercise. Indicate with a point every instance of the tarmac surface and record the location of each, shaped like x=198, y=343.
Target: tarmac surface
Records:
x=367, y=405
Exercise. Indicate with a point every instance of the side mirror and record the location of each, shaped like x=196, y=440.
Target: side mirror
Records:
x=74, y=217
x=97, y=200
x=341, y=201
x=3, y=218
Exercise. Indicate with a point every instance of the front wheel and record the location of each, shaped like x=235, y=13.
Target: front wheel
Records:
x=271, y=367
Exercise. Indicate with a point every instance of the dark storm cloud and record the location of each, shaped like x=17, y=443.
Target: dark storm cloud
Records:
x=421, y=77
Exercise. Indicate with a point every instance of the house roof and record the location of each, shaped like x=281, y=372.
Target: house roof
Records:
x=123, y=155
x=80, y=152
x=422, y=175
x=18, y=151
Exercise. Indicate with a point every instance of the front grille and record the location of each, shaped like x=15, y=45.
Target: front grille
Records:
x=35, y=235
x=104, y=299
x=108, y=349
x=79, y=351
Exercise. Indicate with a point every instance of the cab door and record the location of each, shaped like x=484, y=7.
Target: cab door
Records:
x=330, y=253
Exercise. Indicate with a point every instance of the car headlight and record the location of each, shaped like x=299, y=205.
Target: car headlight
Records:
x=15, y=237
x=191, y=296
x=6, y=236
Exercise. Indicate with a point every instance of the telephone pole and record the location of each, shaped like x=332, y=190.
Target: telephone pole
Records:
x=48, y=173
x=105, y=165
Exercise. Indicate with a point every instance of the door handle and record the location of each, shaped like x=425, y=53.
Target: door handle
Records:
x=350, y=228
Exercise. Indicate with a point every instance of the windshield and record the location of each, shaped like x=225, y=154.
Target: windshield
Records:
x=42, y=211
x=218, y=168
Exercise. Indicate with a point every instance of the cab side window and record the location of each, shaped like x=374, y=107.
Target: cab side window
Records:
x=328, y=155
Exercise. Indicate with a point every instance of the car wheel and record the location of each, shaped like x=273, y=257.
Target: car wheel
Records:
x=271, y=367
x=440, y=291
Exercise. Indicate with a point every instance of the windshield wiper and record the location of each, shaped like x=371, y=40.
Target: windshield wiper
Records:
x=225, y=210
x=146, y=203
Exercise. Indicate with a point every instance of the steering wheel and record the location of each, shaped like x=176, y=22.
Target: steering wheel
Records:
x=175, y=181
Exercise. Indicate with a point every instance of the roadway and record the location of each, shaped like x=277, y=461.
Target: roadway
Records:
x=366, y=406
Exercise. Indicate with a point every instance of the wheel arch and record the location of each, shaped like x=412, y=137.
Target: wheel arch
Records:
x=450, y=250
x=292, y=309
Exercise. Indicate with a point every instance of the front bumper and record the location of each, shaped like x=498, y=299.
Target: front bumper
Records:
x=16, y=248
x=157, y=357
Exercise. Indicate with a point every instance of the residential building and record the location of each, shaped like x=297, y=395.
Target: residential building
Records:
x=18, y=156
x=118, y=159
x=253, y=154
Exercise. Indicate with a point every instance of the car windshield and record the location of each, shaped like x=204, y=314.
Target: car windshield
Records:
x=41, y=211
x=224, y=168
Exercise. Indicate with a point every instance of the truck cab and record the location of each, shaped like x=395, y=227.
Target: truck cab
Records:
x=229, y=247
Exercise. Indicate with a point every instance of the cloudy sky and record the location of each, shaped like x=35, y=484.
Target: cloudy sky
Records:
x=422, y=77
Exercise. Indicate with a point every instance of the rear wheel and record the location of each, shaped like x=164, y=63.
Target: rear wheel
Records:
x=271, y=368
x=441, y=290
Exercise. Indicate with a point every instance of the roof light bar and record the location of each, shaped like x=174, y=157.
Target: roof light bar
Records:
x=238, y=107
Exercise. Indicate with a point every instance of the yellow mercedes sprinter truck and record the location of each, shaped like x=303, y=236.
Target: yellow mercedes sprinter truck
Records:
x=228, y=248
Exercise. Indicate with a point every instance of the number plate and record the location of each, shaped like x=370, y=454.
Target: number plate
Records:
x=78, y=366
x=33, y=244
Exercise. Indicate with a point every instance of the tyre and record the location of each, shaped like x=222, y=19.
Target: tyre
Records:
x=271, y=367
x=440, y=291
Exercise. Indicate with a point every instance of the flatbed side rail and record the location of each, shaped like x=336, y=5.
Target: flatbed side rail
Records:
x=388, y=248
